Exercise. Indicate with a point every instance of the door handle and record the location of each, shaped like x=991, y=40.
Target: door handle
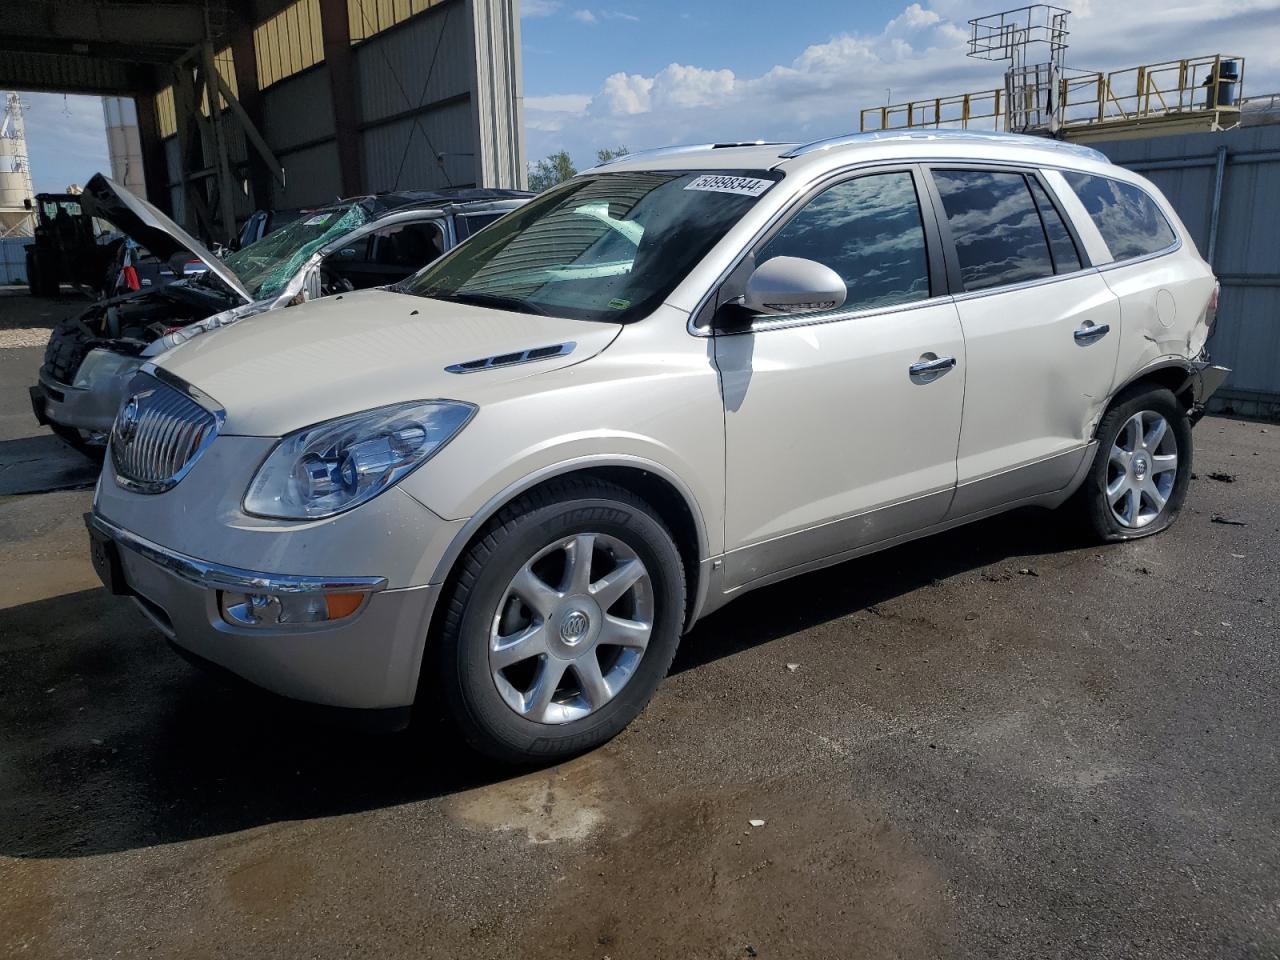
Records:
x=1089, y=334
x=931, y=369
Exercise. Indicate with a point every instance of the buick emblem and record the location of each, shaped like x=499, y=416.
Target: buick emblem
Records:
x=574, y=626
x=127, y=423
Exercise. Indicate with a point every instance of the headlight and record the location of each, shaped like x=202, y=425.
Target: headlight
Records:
x=100, y=364
x=337, y=465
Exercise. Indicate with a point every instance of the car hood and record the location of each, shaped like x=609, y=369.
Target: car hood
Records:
x=286, y=369
x=140, y=221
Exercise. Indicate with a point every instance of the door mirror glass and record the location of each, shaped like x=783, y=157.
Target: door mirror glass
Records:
x=785, y=286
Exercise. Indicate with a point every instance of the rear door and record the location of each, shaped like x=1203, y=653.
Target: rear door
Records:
x=838, y=434
x=1041, y=331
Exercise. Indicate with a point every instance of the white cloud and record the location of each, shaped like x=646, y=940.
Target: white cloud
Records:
x=584, y=16
x=539, y=8
x=625, y=93
x=920, y=52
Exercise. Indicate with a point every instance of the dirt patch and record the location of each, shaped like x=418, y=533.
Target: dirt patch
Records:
x=685, y=875
x=27, y=888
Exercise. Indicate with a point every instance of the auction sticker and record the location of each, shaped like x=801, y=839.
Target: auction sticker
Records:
x=720, y=183
x=318, y=219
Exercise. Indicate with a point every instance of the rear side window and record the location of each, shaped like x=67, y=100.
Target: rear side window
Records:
x=1128, y=219
x=998, y=234
x=868, y=230
x=1065, y=256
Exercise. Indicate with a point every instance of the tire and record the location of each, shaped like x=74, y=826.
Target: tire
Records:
x=68, y=344
x=483, y=605
x=1122, y=472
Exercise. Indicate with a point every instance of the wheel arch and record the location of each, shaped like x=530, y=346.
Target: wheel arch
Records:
x=656, y=485
x=1175, y=374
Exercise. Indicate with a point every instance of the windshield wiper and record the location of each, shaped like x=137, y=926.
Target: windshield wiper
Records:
x=494, y=300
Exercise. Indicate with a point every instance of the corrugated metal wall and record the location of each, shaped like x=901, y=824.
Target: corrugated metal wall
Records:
x=424, y=66
x=1245, y=247
x=13, y=259
x=420, y=123
x=298, y=121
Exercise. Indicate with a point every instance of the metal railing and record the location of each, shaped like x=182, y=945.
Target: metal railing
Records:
x=1195, y=85
x=984, y=110
x=1191, y=85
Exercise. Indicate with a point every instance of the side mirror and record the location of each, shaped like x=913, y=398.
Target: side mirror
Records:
x=784, y=286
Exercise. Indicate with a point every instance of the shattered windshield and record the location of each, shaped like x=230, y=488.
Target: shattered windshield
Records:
x=266, y=266
x=606, y=247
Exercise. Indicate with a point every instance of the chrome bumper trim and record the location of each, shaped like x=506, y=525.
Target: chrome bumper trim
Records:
x=215, y=576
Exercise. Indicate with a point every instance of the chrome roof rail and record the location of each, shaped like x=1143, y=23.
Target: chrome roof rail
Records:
x=657, y=152
x=949, y=133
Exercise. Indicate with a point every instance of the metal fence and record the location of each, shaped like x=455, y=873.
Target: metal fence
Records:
x=13, y=259
x=1226, y=188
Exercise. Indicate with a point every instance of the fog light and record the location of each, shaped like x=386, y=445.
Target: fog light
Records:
x=275, y=609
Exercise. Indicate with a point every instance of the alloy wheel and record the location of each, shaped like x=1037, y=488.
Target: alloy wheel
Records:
x=571, y=628
x=1141, y=469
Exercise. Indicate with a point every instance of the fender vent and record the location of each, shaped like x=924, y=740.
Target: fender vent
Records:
x=511, y=359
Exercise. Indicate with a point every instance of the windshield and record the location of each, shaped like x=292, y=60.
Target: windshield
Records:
x=606, y=247
x=266, y=266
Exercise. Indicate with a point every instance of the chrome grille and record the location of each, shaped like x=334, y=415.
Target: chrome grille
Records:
x=157, y=436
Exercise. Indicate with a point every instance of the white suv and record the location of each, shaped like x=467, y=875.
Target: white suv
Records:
x=513, y=481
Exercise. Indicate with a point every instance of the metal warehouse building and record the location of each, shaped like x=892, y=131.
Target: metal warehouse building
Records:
x=312, y=99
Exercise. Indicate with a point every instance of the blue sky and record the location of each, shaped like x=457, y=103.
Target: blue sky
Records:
x=66, y=140
x=660, y=72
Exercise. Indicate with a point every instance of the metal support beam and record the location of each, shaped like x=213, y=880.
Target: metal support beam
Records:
x=247, y=107
x=336, y=30
x=1220, y=168
x=153, y=159
x=227, y=185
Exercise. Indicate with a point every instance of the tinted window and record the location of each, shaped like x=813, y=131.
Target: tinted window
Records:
x=1065, y=257
x=1127, y=218
x=412, y=245
x=995, y=226
x=867, y=230
x=478, y=221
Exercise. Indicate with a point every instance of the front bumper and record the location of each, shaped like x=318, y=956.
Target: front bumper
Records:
x=92, y=410
x=369, y=660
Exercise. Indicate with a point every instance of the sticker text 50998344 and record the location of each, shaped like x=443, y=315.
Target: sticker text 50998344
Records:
x=722, y=183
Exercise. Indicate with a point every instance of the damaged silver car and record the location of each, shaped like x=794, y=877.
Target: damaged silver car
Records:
x=348, y=245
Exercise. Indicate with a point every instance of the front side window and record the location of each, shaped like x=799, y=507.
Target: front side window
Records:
x=1128, y=219
x=868, y=230
x=607, y=247
x=410, y=245
x=998, y=235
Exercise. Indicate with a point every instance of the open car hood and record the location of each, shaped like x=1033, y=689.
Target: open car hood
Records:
x=133, y=216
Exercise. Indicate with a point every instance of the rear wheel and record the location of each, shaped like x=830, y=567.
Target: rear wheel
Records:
x=563, y=619
x=1142, y=467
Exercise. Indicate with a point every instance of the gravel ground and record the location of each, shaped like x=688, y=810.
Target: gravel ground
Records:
x=1001, y=742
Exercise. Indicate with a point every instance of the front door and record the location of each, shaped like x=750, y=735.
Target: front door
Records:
x=841, y=428
x=1041, y=332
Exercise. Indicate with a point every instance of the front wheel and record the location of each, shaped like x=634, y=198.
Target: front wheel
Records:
x=561, y=622
x=1142, y=467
